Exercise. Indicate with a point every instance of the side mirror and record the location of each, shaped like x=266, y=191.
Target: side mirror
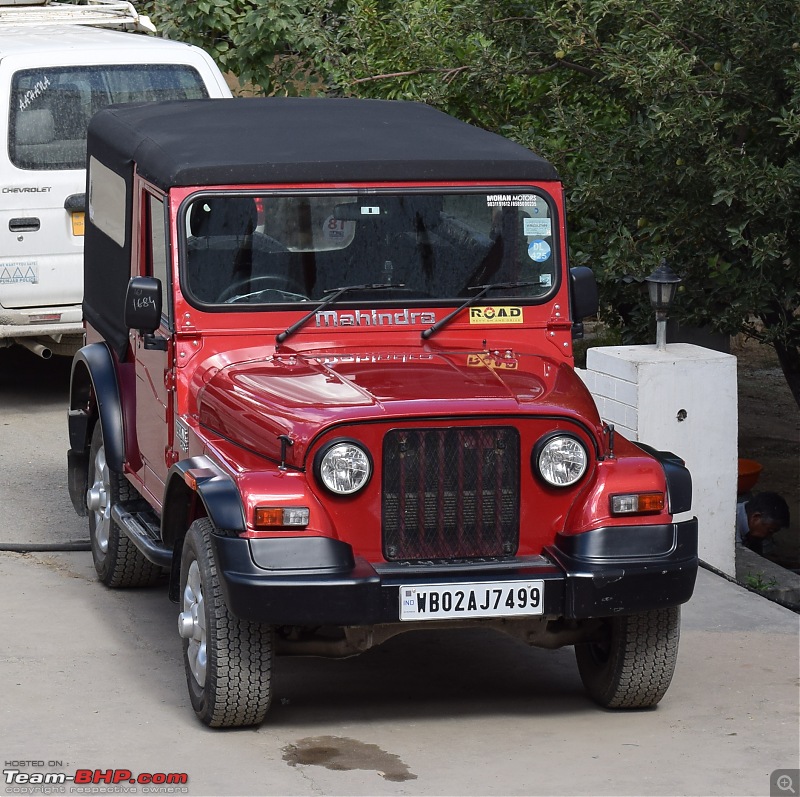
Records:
x=583, y=293
x=143, y=304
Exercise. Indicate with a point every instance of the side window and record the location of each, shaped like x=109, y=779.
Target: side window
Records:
x=157, y=252
x=107, y=205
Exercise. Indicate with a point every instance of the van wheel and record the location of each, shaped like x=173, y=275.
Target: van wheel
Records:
x=631, y=664
x=118, y=562
x=228, y=661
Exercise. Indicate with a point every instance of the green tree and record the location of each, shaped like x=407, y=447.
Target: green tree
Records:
x=675, y=125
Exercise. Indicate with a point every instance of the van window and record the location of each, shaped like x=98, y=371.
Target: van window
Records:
x=51, y=107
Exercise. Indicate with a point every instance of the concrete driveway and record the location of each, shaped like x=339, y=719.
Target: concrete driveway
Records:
x=92, y=679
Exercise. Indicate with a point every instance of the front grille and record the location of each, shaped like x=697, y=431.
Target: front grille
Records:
x=450, y=493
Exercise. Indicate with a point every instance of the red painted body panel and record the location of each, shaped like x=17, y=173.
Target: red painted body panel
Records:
x=302, y=395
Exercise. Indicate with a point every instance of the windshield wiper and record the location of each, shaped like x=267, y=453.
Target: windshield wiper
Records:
x=484, y=289
x=335, y=293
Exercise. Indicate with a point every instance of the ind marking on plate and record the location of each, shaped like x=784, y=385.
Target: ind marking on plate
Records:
x=489, y=599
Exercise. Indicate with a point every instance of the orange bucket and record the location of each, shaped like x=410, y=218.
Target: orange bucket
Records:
x=749, y=471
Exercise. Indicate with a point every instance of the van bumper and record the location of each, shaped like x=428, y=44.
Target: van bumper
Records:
x=31, y=323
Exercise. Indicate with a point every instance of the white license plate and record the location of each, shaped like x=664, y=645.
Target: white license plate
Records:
x=489, y=599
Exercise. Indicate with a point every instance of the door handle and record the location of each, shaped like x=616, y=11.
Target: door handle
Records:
x=29, y=224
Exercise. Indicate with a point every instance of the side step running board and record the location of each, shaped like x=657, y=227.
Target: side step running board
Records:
x=136, y=530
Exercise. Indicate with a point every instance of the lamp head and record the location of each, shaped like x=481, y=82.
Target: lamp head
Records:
x=662, y=286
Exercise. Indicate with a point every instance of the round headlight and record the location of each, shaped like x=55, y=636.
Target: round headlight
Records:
x=343, y=467
x=561, y=460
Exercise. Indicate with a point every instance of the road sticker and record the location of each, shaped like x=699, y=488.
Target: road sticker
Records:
x=495, y=315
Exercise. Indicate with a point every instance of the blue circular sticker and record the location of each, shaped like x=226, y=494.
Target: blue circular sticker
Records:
x=538, y=250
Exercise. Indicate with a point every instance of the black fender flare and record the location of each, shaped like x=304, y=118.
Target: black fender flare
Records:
x=219, y=493
x=187, y=481
x=94, y=372
x=679, y=479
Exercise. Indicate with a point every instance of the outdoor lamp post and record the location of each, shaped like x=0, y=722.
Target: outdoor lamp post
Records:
x=662, y=285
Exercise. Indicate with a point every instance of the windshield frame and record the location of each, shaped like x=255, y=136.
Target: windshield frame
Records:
x=366, y=191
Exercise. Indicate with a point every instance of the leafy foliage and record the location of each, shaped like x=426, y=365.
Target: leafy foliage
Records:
x=675, y=124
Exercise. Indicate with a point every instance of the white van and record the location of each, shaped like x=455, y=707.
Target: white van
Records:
x=59, y=64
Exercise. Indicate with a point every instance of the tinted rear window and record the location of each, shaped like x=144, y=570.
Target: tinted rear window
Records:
x=51, y=108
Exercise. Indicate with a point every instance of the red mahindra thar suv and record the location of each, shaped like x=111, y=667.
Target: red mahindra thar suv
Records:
x=328, y=394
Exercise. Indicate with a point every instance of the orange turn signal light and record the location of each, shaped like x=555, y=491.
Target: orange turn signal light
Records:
x=637, y=503
x=280, y=517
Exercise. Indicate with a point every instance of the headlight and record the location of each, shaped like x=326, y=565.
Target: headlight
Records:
x=560, y=460
x=344, y=467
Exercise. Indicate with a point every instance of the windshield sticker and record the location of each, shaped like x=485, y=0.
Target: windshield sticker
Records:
x=540, y=227
x=517, y=201
x=370, y=210
x=495, y=315
x=545, y=280
x=19, y=273
x=338, y=231
x=538, y=250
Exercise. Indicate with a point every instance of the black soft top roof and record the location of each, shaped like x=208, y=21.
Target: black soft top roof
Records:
x=295, y=140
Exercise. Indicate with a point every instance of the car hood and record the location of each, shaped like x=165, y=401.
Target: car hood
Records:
x=255, y=402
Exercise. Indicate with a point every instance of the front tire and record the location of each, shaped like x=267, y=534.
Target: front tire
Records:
x=118, y=562
x=228, y=661
x=632, y=663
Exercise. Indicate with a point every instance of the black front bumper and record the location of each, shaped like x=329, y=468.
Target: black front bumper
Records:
x=316, y=580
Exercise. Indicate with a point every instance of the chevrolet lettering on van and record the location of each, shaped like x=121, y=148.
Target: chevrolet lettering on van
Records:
x=26, y=189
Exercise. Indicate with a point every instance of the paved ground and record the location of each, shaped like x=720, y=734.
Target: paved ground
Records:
x=92, y=679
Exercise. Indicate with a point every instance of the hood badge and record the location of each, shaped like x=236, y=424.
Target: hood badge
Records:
x=182, y=434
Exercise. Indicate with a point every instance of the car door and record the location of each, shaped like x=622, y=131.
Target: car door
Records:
x=154, y=354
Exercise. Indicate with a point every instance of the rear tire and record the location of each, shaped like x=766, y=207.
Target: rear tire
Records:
x=228, y=661
x=632, y=665
x=118, y=562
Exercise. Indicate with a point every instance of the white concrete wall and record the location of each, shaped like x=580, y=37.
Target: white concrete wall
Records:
x=682, y=400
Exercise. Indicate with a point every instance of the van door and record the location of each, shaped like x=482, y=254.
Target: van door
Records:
x=40, y=241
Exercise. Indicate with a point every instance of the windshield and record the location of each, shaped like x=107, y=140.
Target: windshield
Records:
x=51, y=108
x=430, y=247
